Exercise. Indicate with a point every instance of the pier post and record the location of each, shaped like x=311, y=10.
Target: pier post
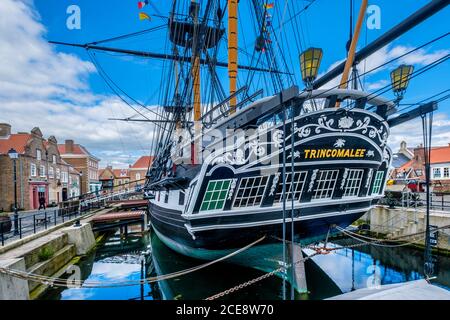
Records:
x=13, y=288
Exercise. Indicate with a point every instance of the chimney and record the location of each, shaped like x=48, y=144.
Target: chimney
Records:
x=69, y=146
x=5, y=130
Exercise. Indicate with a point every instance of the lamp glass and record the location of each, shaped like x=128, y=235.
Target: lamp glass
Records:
x=13, y=154
x=309, y=64
x=400, y=79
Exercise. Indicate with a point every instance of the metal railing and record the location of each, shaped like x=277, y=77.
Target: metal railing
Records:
x=439, y=201
x=30, y=223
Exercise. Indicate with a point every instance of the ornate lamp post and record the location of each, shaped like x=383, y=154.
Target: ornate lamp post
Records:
x=14, y=156
x=309, y=64
x=400, y=80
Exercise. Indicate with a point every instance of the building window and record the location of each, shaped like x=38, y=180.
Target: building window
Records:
x=54, y=159
x=295, y=188
x=418, y=172
x=138, y=176
x=33, y=170
x=181, y=198
x=353, y=182
x=378, y=182
x=437, y=173
x=51, y=172
x=446, y=173
x=42, y=171
x=58, y=173
x=38, y=154
x=215, y=195
x=250, y=191
x=326, y=180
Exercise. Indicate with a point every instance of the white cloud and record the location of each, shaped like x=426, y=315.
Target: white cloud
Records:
x=418, y=58
x=42, y=87
x=412, y=133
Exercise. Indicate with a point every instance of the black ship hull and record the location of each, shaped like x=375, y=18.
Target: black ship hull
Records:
x=315, y=170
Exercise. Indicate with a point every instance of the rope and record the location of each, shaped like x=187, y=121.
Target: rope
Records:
x=319, y=251
x=60, y=282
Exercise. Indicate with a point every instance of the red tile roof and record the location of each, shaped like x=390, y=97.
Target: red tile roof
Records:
x=17, y=141
x=143, y=162
x=77, y=149
x=121, y=173
x=440, y=154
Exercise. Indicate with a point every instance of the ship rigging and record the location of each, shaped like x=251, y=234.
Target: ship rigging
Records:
x=264, y=157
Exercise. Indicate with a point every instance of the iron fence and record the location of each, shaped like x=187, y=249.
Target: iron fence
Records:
x=32, y=222
x=439, y=201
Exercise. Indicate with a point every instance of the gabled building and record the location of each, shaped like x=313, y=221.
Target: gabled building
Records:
x=41, y=173
x=139, y=170
x=399, y=159
x=114, y=180
x=440, y=167
x=84, y=162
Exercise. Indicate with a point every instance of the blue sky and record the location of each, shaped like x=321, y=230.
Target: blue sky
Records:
x=58, y=89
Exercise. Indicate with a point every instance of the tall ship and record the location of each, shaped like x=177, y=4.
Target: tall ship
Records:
x=256, y=157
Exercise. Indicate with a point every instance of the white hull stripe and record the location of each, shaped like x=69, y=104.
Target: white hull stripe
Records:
x=275, y=221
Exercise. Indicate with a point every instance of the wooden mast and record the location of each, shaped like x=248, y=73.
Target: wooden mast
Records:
x=196, y=85
x=232, y=50
x=351, y=51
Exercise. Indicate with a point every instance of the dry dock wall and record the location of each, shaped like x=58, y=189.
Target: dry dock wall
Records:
x=61, y=247
x=398, y=222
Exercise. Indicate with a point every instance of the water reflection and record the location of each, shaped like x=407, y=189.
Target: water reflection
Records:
x=326, y=275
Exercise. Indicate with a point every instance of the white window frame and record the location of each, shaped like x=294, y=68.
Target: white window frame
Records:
x=38, y=154
x=325, y=184
x=42, y=171
x=353, y=183
x=446, y=173
x=54, y=159
x=33, y=172
x=138, y=176
x=378, y=182
x=250, y=200
x=51, y=172
x=300, y=179
x=58, y=173
x=435, y=170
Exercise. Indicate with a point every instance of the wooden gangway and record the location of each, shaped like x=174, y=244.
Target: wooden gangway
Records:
x=119, y=219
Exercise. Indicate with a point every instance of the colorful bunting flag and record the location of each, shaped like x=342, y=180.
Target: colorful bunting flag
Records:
x=142, y=4
x=143, y=16
x=269, y=5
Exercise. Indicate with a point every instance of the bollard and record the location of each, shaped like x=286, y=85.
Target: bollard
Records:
x=2, y=235
x=45, y=219
x=34, y=223
x=20, y=228
x=54, y=216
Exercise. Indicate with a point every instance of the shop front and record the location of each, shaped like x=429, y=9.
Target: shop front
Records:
x=38, y=190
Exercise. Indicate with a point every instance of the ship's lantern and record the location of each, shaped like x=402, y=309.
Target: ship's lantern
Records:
x=309, y=63
x=400, y=79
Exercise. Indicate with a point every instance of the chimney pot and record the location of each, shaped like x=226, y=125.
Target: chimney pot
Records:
x=69, y=146
x=5, y=129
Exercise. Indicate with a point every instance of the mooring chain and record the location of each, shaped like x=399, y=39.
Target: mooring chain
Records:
x=318, y=250
x=59, y=282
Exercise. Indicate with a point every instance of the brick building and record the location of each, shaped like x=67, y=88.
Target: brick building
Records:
x=125, y=179
x=114, y=180
x=40, y=170
x=139, y=169
x=440, y=167
x=84, y=162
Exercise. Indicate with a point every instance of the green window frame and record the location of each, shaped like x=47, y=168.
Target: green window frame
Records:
x=215, y=195
x=378, y=182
